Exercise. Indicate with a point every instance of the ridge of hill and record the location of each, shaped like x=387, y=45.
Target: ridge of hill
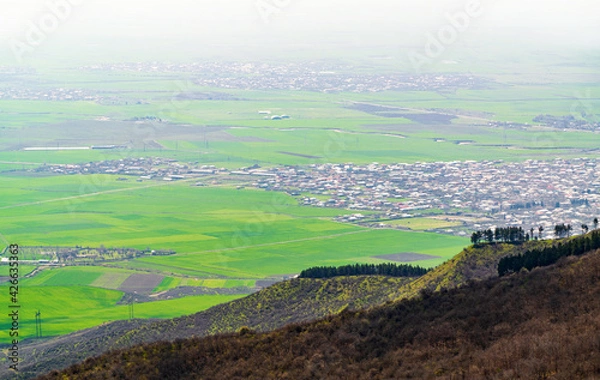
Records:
x=474, y=263
x=293, y=301
x=540, y=324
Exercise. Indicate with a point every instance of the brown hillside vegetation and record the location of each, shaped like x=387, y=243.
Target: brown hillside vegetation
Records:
x=538, y=325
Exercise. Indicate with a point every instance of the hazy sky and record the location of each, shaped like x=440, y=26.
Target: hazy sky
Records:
x=200, y=25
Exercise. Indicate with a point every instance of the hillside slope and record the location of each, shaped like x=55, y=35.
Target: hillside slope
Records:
x=538, y=325
x=474, y=263
x=292, y=301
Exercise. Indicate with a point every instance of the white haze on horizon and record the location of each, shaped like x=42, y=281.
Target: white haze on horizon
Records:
x=195, y=27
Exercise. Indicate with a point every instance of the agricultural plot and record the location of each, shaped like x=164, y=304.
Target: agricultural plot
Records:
x=287, y=258
x=141, y=283
x=422, y=224
x=213, y=283
x=406, y=257
x=73, y=298
x=187, y=219
x=62, y=278
x=71, y=308
x=95, y=276
x=23, y=191
x=110, y=280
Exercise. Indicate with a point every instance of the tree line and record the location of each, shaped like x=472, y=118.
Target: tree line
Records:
x=501, y=234
x=385, y=269
x=519, y=235
x=549, y=255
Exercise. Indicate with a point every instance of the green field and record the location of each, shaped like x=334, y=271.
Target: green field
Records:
x=322, y=125
x=217, y=232
x=74, y=298
x=112, y=278
x=70, y=308
x=422, y=224
x=291, y=257
x=173, y=282
x=227, y=238
x=101, y=277
x=224, y=238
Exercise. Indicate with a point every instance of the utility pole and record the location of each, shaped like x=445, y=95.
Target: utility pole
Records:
x=38, y=324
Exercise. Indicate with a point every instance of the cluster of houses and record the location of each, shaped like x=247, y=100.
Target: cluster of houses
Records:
x=569, y=122
x=480, y=194
x=563, y=123
x=51, y=94
x=158, y=169
x=141, y=168
x=305, y=76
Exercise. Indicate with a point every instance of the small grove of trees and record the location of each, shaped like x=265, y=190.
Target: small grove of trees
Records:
x=562, y=230
x=385, y=269
x=549, y=255
x=505, y=235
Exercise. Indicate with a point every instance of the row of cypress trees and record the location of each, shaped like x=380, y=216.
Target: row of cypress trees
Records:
x=385, y=269
x=549, y=255
x=500, y=234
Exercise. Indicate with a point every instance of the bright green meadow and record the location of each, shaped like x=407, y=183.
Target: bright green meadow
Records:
x=226, y=238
